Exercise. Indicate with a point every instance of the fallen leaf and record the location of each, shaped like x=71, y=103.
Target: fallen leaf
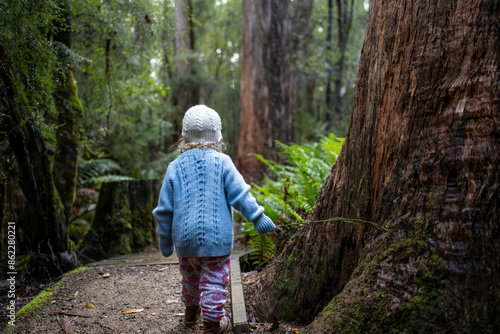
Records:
x=171, y=301
x=106, y=275
x=134, y=310
x=90, y=305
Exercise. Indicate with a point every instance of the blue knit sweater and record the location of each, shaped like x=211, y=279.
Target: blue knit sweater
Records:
x=194, y=209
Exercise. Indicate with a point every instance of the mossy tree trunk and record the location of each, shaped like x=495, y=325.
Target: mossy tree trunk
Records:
x=69, y=111
x=421, y=159
x=123, y=222
x=43, y=230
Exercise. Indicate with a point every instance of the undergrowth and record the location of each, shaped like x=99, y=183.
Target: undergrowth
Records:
x=290, y=193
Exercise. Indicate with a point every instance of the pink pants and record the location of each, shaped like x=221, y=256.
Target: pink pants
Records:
x=204, y=282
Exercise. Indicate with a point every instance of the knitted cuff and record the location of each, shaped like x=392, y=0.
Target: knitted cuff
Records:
x=263, y=224
x=166, y=246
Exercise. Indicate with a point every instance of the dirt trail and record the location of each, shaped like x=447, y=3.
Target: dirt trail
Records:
x=155, y=289
x=98, y=295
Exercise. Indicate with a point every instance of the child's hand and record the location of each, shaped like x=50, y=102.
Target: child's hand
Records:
x=263, y=224
x=166, y=247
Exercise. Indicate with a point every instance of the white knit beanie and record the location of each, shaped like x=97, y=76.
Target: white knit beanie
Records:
x=201, y=123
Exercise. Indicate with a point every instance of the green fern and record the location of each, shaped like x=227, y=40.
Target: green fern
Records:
x=292, y=190
x=263, y=249
x=294, y=186
x=96, y=171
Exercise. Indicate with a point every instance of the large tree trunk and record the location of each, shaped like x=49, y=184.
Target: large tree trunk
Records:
x=123, y=222
x=69, y=111
x=43, y=230
x=421, y=159
x=266, y=85
x=187, y=93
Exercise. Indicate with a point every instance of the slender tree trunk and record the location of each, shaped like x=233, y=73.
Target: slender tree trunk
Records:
x=301, y=38
x=329, y=64
x=266, y=86
x=69, y=111
x=43, y=230
x=421, y=159
x=165, y=140
x=344, y=23
x=187, y=90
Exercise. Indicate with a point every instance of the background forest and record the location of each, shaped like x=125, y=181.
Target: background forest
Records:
x=94, y=91
x=403, y=234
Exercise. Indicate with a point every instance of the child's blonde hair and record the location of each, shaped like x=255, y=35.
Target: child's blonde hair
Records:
x=183, y=145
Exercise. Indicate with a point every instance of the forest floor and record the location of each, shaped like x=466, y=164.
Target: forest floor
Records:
x=93, y=300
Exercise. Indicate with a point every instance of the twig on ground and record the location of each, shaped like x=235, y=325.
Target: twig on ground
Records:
x=72, y=314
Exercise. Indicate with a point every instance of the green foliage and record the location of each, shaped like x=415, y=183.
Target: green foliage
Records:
x=98, y=171
x=29, y=58
x=263, y=248
x=295, y=184
x=290, y=194
x=128, y=88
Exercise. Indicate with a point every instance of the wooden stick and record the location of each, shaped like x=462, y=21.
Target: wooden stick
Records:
x=72, y=314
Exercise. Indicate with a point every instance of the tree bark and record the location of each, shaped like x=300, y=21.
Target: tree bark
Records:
x=344, y=24
x=69, y=110
x=421, y=159
x=334, y=99
x=123, y=222
x=304, y=77
x=266, y=85
x=187, y=92
x=43, y=230
x=329, y=65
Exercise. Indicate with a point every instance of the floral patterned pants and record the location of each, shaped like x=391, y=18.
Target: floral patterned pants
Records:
x=204, y=282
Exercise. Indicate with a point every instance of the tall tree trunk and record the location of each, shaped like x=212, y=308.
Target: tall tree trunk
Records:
x=421, y=159
x=69, y=111
x=266, y=85
x=329, y=64
x=344, y=23
x=43, y=230
x=301, y=39
x=187, y=90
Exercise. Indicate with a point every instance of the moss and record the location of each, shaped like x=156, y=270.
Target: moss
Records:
x=362, y=192
x=44, y=297
x=371, y=311
x=286, y=284
x=431, y=200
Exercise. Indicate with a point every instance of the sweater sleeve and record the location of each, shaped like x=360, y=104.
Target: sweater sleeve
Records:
x=239, y=196
x=163, y=214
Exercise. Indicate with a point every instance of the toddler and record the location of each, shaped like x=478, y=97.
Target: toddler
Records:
x=194, y=214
